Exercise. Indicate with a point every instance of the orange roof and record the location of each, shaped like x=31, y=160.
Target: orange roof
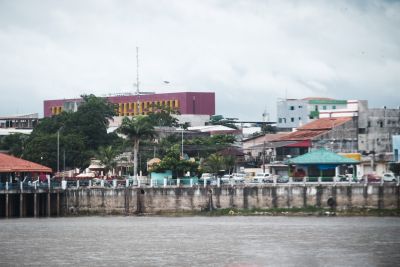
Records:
x=314, y=129
x=300, y=135
x=12, y=164
x=325, y=123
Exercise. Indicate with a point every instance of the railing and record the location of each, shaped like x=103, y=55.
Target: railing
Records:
x=182, y=182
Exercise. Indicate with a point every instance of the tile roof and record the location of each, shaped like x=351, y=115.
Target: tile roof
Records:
x=314, y=129
x=12, y=164
x=321, y=156
x=301, y=135
x=325, y=123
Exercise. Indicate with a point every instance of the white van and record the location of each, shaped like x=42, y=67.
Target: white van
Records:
x=264, y=177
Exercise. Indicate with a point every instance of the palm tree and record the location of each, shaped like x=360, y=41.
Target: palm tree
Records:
x=214, y=163
x=107, y=155
x=136, y=129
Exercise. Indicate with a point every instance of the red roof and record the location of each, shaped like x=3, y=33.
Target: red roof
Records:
x=314, y=129
x=12, y=164
x=301, y=135
x=325, y=123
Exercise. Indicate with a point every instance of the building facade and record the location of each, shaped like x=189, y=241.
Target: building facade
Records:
x=187, y=103
x=293, y=113
x=396, y=148
x=376, y=126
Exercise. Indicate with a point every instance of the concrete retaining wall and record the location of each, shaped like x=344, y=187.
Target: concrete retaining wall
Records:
x=127, y=201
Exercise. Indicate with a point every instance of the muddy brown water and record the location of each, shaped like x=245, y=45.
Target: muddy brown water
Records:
x=201, y=241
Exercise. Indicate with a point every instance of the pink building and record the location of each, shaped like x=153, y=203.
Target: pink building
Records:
x=196, y=103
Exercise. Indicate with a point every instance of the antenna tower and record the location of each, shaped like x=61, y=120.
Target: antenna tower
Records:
x=137, y=80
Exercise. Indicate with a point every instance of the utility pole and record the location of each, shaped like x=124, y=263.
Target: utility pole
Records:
x=264, y=156
x=137, y=80
x=58, y=151
x=182, y=142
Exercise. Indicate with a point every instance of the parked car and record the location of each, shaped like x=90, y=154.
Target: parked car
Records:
x=209, y=178
x=225, y=179
x=370, y=178
x=239, y=178
x=389, y=177
x=264, y=177
x=257, y=180
x=282, y=179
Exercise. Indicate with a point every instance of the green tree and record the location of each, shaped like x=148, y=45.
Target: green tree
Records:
x=162, y=117
x=81, y=133
x=229, y=162
x=43, y=149
x=107, y=156
x=92, y=119
x=202, y=147
x=14, y=143
x=136, y=129
x=172, y=161
x=214, y=163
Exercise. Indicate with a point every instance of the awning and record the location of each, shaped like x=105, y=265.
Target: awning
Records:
x=12, y=164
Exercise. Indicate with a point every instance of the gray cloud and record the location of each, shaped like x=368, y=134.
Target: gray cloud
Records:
x=249, y=52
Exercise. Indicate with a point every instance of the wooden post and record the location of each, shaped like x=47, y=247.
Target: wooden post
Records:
x=58, y=204
x=48, y=205
x=7, y=211
x=21, y=205
x=35, y=206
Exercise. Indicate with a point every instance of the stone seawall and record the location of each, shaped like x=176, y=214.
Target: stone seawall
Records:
x=129, y=201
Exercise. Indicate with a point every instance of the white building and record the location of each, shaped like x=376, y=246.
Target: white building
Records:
x=293, y=113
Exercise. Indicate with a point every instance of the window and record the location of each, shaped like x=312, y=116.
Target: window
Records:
x=284, y=120
x=361, y=130
x=299, y=118
x=300, y=106
x=333, y=107
x=381, y=124
x=280, y=120
x=324, y=107
x=292, y=119
x=291, y=107
x=369, y=124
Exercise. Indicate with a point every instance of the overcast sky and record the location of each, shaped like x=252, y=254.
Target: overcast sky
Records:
x=250, y=53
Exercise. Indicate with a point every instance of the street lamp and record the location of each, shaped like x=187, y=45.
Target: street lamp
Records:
x=58, y=148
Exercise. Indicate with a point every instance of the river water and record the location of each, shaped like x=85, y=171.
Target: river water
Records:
x=201, y=241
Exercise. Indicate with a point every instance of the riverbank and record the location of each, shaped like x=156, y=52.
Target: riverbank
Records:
x=290, y=212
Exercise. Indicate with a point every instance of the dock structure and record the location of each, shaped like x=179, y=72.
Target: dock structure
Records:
x=25, y=189
x=40, y=202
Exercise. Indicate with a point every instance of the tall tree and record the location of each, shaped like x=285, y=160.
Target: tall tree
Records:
x=136, y=129
x=162, y=116
x=214, y=163
x=14, y=143
x=172, y=161
x=107, y=156
x=81, y=133
x=92, y=119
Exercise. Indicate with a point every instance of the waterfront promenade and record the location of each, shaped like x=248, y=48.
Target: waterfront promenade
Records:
x=120, y=199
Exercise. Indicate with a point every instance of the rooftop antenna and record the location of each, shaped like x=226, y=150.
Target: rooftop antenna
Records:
x=137, y=71
x=265, y=115
x=138, y=93
x=137, y=79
